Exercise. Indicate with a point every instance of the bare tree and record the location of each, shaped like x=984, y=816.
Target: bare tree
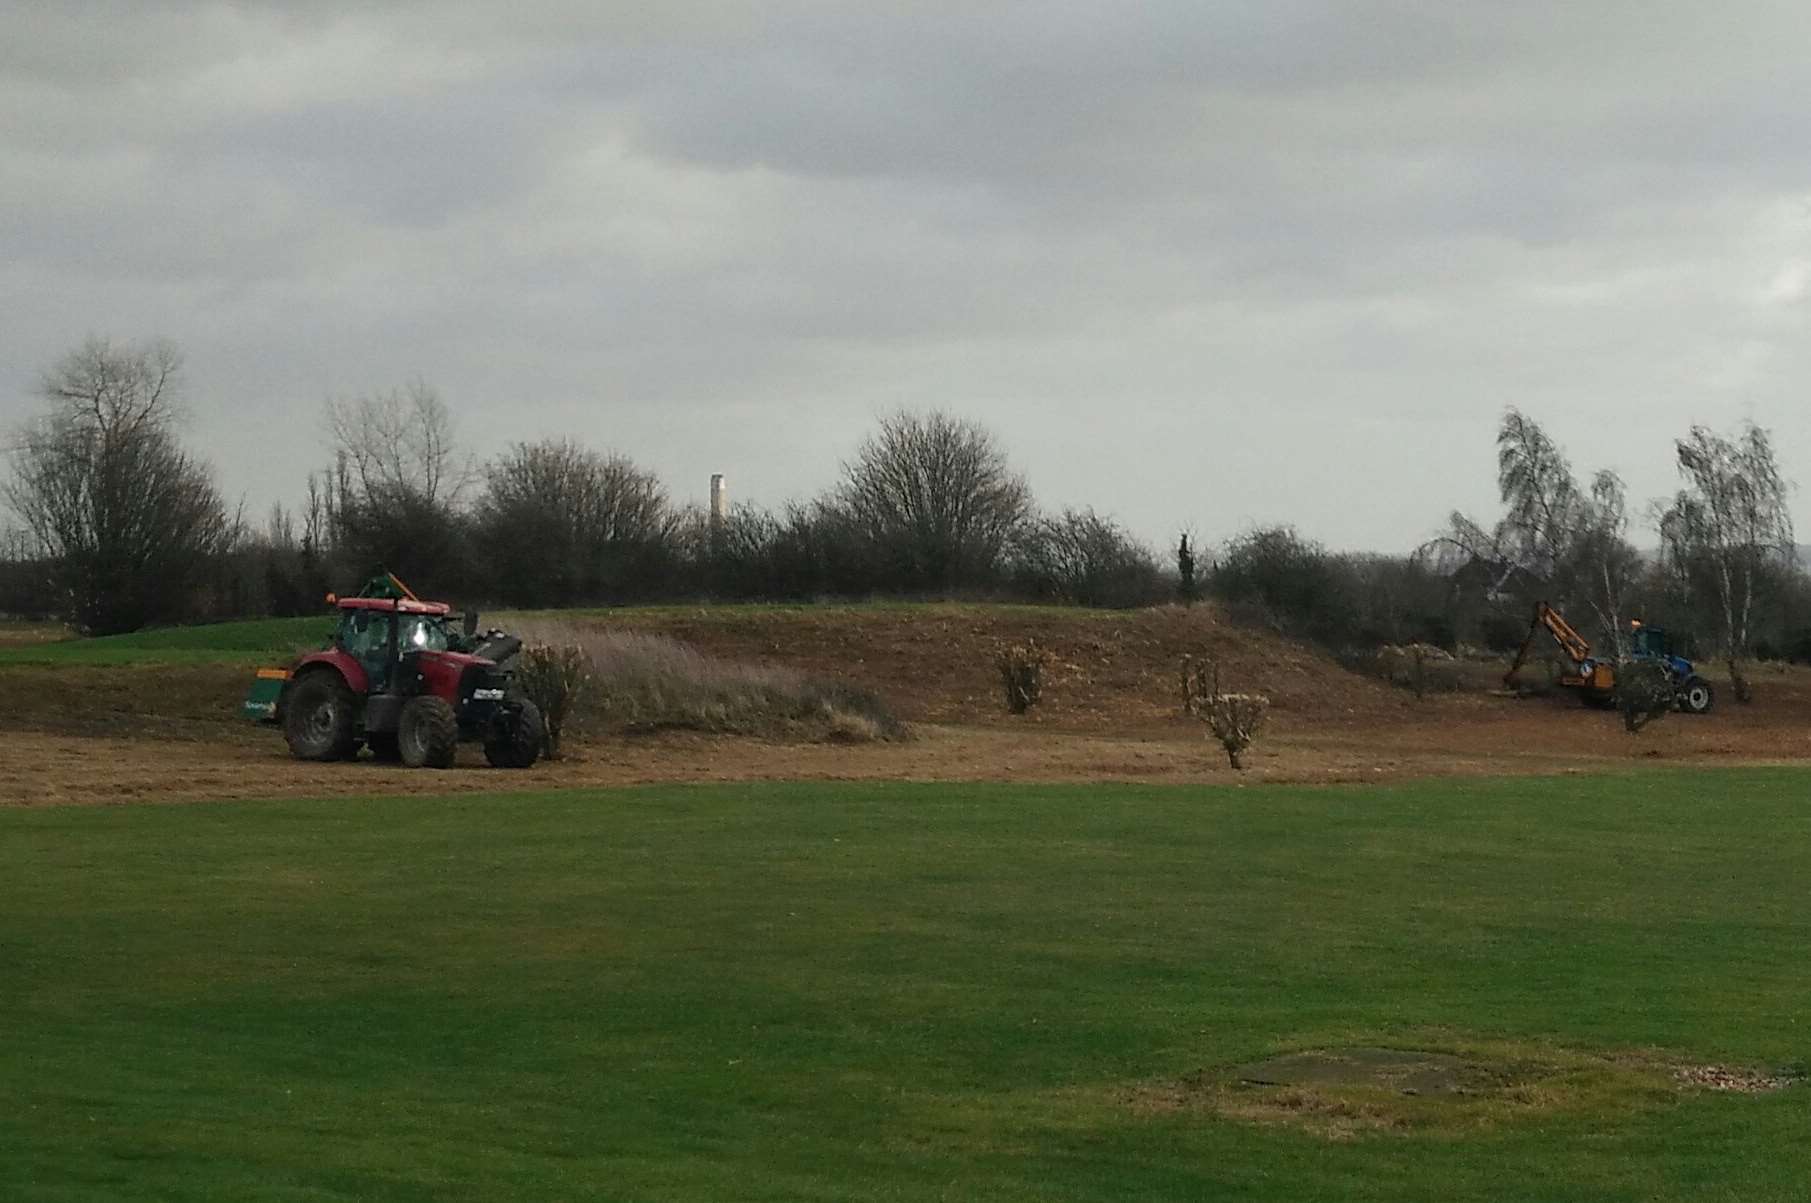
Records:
x=26, y=590
x=561, y=523
x=1730, y=525
x=393, y=492
x=129, y=522
x=1601, y=565
x=400, y=443
x=935, y=499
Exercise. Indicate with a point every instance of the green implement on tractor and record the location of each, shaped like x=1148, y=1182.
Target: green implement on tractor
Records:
x=261, y=703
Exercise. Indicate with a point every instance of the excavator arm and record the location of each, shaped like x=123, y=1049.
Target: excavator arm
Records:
x=1571, y=642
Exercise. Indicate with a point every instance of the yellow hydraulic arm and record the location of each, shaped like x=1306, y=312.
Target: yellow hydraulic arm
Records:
x=1575, y=645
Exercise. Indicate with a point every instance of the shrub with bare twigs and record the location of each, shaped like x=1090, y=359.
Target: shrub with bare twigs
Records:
x=1022, y=674
x=1643, y=693
x=554, y=676
x=1232, y=719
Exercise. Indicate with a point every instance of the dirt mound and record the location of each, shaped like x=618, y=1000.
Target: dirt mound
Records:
x=1111, y=712
x=174, y=701
x=1110, y=669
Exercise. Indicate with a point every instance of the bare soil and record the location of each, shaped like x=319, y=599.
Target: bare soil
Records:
x=1341, y=1093
x=1110, y=713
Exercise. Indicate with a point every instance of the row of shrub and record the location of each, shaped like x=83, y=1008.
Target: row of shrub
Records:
x=796, y=554
x=1357, y=604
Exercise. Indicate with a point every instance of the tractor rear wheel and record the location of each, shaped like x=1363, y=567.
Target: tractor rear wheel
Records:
x=427, y=733
x=515, y=737
x=1696, y=696
x=317, y=718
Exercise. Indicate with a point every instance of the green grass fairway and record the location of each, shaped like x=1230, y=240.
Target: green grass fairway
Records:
x=256, y=641
x=277, y=640
x=833, y=992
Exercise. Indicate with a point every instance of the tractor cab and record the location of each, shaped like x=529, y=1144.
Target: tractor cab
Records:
x=1652, y=643
x=378, y=633
x=1648, y=643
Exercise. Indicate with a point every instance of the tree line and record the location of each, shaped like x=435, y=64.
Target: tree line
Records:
x=1722, y=575
x=119, y=526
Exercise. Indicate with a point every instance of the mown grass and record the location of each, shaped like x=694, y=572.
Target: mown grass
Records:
x=265, y=639
x=251, y=642
x=893, y=992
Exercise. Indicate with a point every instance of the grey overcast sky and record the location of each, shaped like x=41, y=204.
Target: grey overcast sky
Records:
x=1198, y=264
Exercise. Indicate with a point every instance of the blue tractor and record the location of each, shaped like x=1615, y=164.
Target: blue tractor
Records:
x=1595, y=680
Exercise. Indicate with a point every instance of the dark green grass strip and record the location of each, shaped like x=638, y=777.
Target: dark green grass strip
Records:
x=276, y=640
x=885, y=992
x=266, y=639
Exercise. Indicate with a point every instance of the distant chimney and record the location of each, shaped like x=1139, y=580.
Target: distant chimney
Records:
x=719, y=499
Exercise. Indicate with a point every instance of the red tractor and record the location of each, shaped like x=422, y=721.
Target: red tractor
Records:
x=398, y=679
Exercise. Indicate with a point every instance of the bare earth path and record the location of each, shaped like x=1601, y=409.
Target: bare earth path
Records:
x=1454, y=736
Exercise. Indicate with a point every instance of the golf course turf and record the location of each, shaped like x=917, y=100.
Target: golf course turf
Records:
x=902, y=992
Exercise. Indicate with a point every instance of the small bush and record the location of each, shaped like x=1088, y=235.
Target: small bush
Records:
x=1643, y=693
x=1420, y=668
x=1085, y=559
x=1232, y=719
x=1022, y=674
x=554, y=676
x=1286, y=582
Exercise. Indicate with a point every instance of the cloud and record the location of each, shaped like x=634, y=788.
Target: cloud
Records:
x=1198, y=264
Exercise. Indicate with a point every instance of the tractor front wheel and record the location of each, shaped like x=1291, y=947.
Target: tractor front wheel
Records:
x=427, y=733
x=317, y=718
x=1696, y=696
x=515, y=737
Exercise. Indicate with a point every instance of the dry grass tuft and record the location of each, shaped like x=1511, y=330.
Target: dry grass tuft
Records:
x=1734, y=1079
x=642, y=682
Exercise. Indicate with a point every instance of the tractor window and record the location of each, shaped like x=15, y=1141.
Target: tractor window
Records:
x=364, y=634
x=423, y=635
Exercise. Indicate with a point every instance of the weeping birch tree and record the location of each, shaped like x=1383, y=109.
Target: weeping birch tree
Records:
x=1728, y=531
x=1571, y=539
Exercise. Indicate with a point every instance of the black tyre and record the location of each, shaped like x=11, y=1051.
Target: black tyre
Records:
x=317, y=718
x=1696, y=696
x=384, y=746
x=428, y=733
x=515, y=737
